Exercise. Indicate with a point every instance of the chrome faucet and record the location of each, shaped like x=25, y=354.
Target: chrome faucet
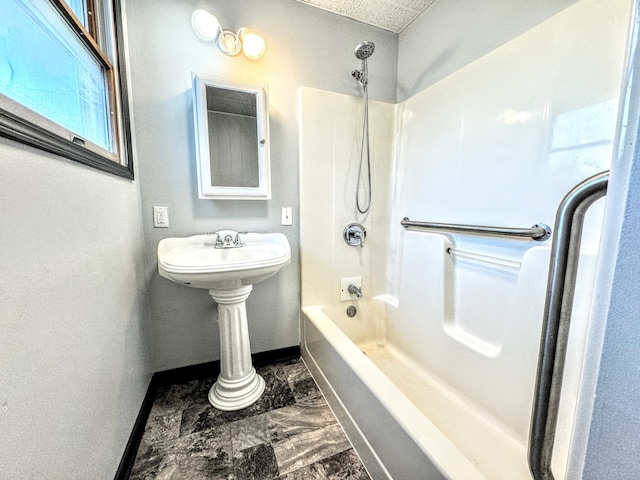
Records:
x=227, y=239
x=357, y=291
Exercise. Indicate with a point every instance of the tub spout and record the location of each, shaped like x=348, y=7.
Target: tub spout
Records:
x=357, y=291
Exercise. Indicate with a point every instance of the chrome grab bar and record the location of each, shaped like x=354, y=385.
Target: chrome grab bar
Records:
x=563, y=267
x=539, y=232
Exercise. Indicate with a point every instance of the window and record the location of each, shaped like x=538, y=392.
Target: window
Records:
x=61, y=87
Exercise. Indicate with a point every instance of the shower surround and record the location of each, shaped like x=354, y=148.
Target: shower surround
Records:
x=498, y=142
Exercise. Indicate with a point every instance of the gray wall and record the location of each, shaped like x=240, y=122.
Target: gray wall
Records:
x=305, y=46
x=73, y=351
x=453, y=33
x=614, y=437
x=614, y=430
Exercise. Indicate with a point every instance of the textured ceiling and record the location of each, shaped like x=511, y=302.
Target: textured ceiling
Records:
x=392, y=15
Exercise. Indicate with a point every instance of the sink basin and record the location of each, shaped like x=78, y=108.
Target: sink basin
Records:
x=229, y=274
x=195, y=262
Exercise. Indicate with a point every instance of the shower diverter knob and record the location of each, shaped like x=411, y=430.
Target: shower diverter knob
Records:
x=354, y=234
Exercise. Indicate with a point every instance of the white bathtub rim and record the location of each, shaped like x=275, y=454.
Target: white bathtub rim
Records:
x=436, y=446
x=379, y=463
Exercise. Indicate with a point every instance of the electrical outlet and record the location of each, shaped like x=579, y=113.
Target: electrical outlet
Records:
x=287, y=216
x=345, y=295
x=161, y=217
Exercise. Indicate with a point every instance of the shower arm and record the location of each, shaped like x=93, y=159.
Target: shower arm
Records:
x=563, y=267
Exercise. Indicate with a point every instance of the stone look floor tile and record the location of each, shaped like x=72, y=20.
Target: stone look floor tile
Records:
x=166, y=459
x=162, y=427
x=345, y=465
x=294, y=420
x=172, y=398
x=342, y=466
x=277, y=393
x=315, y=471
x=203, y=416
x=301, y=383
x=249, y=432
x=307, y=448
x=290, y=433
x=200, y=468
x=256, y=463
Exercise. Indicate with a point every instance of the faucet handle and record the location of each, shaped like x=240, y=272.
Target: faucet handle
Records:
x=354, y=234
x=237, y=242
x=218, y=243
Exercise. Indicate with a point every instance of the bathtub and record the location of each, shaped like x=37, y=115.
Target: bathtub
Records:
x=403, y=422
x=431, y=388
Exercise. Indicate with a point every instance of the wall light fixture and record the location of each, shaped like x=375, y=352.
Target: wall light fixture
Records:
x=208, y=28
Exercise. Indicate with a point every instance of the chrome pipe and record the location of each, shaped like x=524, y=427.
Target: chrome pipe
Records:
x=539, y=231
x=563, y=267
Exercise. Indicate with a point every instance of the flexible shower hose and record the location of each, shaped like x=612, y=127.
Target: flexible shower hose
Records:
x=365, y=142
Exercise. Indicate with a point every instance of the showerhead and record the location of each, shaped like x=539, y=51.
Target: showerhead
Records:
x=364, y=50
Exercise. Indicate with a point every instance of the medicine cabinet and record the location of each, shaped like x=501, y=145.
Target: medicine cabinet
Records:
x=232, y=139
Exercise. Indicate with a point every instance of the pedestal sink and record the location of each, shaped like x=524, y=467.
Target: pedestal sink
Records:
x=228, y=264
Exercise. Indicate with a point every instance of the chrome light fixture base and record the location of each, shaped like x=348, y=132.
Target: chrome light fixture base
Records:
x=229, y=43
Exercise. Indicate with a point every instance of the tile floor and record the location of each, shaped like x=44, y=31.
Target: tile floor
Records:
x=288, y=434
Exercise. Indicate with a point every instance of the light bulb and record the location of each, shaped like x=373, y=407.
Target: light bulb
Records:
x=229, y=43
x=253, y=44
x=205, y=25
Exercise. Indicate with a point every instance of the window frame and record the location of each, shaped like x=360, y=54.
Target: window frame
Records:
x=26, y=126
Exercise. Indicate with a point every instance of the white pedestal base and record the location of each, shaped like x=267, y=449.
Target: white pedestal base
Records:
x=238, y=384
x=229, y=396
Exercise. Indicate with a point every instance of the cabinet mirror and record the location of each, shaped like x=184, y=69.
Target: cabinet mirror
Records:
x=232, y=139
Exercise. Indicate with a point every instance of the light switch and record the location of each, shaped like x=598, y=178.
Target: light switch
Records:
x=287, y=216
